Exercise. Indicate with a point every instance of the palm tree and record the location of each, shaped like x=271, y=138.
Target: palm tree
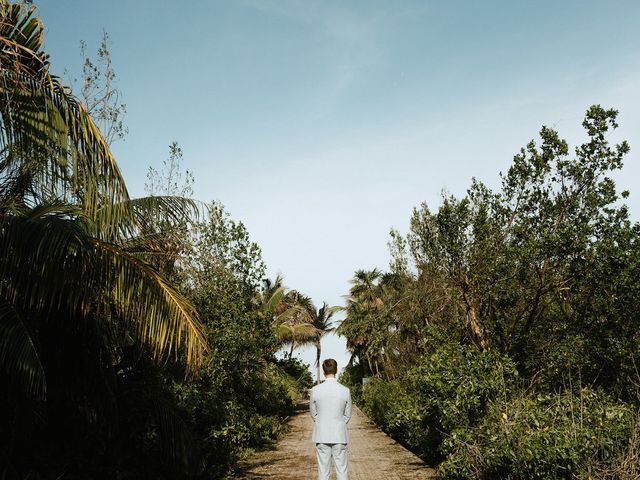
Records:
x=302, y=313
x=81, y=304
x=288, y=311
x=74, y=245
x=364, y=303
x=323, y=324
x=295, y=317
x=80, y=299
x=366, y=289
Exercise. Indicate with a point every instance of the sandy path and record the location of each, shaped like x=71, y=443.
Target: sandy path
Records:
x=372, y=455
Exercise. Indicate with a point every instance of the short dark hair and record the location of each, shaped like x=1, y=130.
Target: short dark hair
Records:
x=330, y=366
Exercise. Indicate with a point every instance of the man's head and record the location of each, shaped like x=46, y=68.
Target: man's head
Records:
x=330, y=367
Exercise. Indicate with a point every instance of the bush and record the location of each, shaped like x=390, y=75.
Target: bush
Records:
x=392, y=407
x=351, y=377
x=626, y=466
x=232, y=418
x=540, y=437
x=446, y=392
x=297, y=370
x=463, y=407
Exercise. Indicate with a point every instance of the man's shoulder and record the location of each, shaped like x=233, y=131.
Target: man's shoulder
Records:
x=326, y=384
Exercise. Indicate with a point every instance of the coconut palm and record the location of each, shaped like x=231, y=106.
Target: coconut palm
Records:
x=74, y=245
x=323, y=324
x=80, y=299
x=299, y=323
x=289, y=312
x=296, y=320
x=364, y=304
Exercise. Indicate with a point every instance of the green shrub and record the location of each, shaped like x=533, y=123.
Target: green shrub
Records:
x=457, y=383
x=391, y=406
x=540, y=437
x=297, y=370
x=446, y=392
x=351, y=377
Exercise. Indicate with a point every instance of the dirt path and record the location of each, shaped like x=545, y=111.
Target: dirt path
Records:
x=372, y=455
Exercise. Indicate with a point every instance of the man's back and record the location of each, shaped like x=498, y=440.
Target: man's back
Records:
x=330, y=406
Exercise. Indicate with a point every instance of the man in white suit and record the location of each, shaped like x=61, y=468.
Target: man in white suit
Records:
x=330, y=407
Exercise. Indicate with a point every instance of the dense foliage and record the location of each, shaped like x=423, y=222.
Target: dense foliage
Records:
x=136, y=339
x=503, y=342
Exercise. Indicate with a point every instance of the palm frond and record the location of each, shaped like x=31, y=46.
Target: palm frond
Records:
x=21, y=37
x=48, y=261
x=18, y=355
x=273, y=301
x=145, y=245
x=52, y=140
x=47, y=137
x=51, y=262
x=162, y=317
x=296, y=332
x=303, y=301
x=288, y=316
x=147, y=214
x=323, y=319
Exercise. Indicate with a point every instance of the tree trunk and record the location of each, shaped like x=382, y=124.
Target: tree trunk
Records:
x=476, y=329
x=477, y=332
x=318, y=350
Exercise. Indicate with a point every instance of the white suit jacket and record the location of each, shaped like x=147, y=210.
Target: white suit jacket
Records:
x=330, y=406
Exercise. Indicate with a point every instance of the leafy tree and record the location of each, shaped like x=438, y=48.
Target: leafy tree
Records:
x=244, y=391
x=171, y=180
x=512, y=256
x=543, y=273
x=99, y=92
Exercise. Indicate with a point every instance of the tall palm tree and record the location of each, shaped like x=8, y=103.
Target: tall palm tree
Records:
x=302, y=313
x=323, y=324
x=80, y=299
x=73, y=244
x=364, y=303
x=288, y=311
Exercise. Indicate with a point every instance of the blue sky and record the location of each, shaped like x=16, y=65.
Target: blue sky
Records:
x=320, y=124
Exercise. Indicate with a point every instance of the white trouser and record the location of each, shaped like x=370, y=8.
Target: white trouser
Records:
x=337, y=451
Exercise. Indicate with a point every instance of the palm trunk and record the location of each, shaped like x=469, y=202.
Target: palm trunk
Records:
x=318, y=350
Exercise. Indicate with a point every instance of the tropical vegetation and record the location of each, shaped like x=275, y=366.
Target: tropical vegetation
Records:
x=139, y=337
x=502, y=342
x=132, y=344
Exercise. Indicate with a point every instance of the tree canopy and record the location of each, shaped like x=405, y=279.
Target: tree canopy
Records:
x=541, y=276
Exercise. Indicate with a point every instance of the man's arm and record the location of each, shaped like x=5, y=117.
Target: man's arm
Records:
x=347, y=408
x=313, y=408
